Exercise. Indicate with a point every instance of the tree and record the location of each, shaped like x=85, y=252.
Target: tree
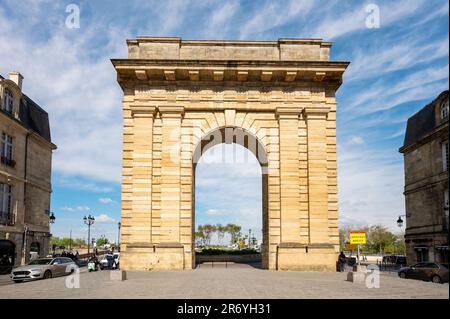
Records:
x=234, y=231
x=379, y=238
x=208, y=230
x=344, y=236
x=102, y=241
x=221, y=230
x=67, y=242
x=200, y=236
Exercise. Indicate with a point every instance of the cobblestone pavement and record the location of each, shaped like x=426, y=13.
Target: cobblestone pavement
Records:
x=220, y=282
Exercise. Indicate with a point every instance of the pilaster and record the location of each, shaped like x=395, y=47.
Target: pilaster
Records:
x=171, y=173
x=288, y=118
x=316, y=120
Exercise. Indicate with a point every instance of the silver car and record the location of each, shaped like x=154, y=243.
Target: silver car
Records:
x=43, y=268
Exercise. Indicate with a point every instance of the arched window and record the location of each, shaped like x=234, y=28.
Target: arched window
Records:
x=8, y=101
x=444, y=110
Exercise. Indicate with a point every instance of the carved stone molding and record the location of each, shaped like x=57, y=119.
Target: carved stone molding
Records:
x=142, y=110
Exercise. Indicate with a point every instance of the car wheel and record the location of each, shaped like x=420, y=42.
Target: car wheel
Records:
x=48, y=274
x=18, y=281
x=402, y=275
x=436, y=279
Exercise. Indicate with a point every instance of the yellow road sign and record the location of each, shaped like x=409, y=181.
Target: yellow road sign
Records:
x=357, y=237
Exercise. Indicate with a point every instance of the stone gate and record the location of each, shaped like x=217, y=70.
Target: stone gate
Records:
x=277, y=98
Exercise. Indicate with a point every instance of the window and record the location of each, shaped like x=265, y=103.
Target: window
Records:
x=6, y=151
x=444, y=110
x=8, y=101
x=5, y=204
x=422, y=254
x=445, y=156
x=446, y=209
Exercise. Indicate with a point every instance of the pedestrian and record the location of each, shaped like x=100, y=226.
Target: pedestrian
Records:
x=342, y=261
x=109, y=259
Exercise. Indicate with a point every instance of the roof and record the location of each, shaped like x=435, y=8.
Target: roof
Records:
x=33, y=117
x=423, y=122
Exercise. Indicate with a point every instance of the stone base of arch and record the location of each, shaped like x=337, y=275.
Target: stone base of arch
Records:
x=319, y=257
x=172, y=256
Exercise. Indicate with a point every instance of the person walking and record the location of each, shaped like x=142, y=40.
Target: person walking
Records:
x=110, y=260
x=342, y=260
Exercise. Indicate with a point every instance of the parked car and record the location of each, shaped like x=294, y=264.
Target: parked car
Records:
x=434, y=272
x=104, y=261
x=43, y=268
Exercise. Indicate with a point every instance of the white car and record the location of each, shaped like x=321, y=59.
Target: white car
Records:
x=104, y=261
x=43, y=268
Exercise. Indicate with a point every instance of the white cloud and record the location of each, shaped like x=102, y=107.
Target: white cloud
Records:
x=215, y=212
x=220, y=20
x=106, y=200
x=274, y=14
x=76, y=86
x=370, y=186
x=84, y=184
x=104, y=219
x=75, y=209
x=356, y=140
x=335, y=24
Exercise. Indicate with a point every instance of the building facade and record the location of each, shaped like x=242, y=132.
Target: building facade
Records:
x=276, y=98
x=426, y=164
x=25, y=174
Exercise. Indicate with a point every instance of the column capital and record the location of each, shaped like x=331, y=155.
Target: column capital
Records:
x=174, y=111
x=288, y=112
x=316, y=112
x=142, y=110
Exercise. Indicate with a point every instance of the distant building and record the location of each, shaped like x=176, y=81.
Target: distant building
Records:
x=25, y=171
x=425, y=151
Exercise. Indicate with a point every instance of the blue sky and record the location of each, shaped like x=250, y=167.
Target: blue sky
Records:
x=395, y=70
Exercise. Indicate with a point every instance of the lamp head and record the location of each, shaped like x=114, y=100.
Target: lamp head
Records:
x=400, y=221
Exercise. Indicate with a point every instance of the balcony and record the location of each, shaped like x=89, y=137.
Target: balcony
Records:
x=8, y=161
x=6, y=219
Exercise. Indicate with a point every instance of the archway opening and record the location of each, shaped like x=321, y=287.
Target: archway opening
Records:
x=230, y=200
x=7, y=256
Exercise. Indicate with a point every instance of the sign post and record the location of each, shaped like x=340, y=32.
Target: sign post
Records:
x=358, y=237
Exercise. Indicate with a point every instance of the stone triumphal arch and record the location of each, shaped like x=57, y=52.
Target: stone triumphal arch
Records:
x=277, y=98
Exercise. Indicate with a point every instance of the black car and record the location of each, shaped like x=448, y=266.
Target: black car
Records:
x=434, y=272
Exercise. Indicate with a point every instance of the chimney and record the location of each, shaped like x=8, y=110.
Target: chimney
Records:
x=17, y=78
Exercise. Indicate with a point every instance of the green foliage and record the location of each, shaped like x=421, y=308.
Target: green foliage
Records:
x=235, y=232
x=102, y=241
x=379, y=240
x=379, y=237
x=204, y=233
x=67, y=242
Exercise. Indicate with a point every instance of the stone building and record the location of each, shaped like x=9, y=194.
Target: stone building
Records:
x=426, y=162
x=276, y=98
x=25, y=171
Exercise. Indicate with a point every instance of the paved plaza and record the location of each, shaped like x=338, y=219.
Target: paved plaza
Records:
x=239, y=281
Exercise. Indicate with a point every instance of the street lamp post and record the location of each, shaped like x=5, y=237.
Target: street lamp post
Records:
x=400, y=220
x=51, y=220
x=119, y=225
x=89, y=220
